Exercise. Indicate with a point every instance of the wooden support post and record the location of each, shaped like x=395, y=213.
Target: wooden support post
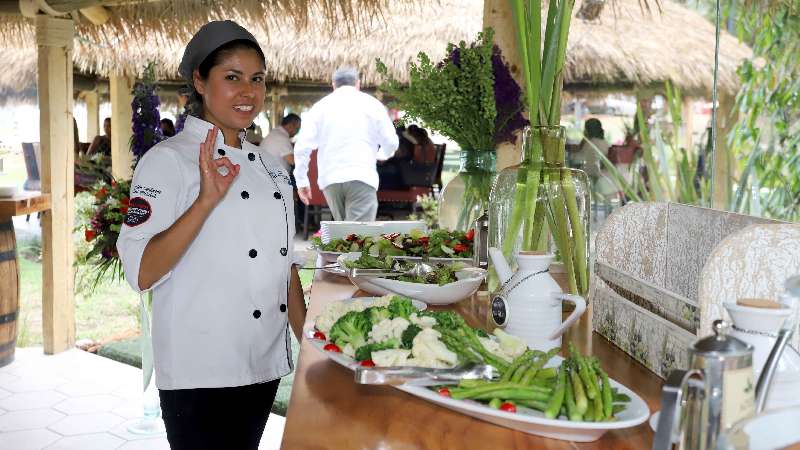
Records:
x=723, y=170
x=276, y=106
x=54, y=41
x=497, y=14
x=121, y=87
x=92, y=99
x=688, y=123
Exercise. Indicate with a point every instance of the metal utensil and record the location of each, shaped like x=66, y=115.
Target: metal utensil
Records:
x=422, y=376
x=419, y=269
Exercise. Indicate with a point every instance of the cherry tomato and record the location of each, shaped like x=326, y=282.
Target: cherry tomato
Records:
x=471, y=234
x=508, y=407
x=444, y=392
x=332, y=348
x=367, y=363
x=320, y=335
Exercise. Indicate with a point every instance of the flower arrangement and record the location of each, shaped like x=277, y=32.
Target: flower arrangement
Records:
x=146, y=122
x=470, y=96
x=110, y=207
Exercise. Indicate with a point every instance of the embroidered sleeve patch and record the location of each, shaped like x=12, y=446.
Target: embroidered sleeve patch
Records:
x=139, y=211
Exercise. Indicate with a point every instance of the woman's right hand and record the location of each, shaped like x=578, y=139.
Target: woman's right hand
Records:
x=214, y=185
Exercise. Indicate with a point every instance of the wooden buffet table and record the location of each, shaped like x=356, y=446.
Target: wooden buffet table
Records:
x=328, y=410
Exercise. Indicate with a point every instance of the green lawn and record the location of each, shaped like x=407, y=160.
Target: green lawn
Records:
x=13, y=173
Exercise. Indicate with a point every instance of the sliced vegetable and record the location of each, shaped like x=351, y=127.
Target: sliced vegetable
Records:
x=320, y=335
x=332, y=348
x=444, y=392
x=508, y=407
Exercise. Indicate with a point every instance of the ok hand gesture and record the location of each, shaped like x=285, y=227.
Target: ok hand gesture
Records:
x=214, y=185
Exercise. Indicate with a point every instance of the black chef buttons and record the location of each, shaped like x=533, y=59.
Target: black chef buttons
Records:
x=283, y=307
x=256, y=314
x=245, y=195
x=277, y=195
x=221, y=152
x=253, y=253
x=283, y=251
x=251, y=156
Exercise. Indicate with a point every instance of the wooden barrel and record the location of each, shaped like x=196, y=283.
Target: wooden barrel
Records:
x=9, y=292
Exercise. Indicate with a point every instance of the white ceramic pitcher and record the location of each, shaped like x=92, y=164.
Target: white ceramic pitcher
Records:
x=528, y=302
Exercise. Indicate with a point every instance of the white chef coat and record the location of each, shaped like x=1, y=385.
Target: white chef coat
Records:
x=220, y=315
x=351, y=130
x=279, y=144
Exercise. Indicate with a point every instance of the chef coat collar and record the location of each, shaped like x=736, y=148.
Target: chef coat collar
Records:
x=199, y=128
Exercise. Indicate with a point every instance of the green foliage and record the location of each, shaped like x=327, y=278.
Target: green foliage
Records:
x=454, y=97
x=766, y=137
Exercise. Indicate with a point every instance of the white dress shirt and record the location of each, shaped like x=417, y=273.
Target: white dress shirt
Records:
x=220, y=315
x=279, y=144
x=351, y=131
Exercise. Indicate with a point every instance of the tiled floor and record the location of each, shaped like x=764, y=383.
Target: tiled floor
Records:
x=79, y=401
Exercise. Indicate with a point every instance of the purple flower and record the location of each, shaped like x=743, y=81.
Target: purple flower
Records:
x=508, y=101
x=146, y=122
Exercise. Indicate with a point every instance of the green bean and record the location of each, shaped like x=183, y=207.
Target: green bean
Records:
x=539, y=406
x=462, y=393
x=550, y=372
x=521, y=371
x=495, y=403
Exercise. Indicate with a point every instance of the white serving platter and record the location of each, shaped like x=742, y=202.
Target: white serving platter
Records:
x=525, y=420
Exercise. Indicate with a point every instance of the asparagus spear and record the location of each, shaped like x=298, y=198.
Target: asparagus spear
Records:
x=572, y=409
x=580, y=397
x=554, y=404
x=608, y=401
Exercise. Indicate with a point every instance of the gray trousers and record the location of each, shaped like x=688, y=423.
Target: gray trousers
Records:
x=352, y=201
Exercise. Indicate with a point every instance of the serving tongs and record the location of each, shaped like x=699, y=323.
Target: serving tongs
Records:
x=423, y=376
x=419, y=269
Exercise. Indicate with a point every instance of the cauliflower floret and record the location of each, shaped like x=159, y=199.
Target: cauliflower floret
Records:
x=510, y=345
x=423, y=322
x=382, y=301
x=332, y=312
x=429, y=351
x=390, y=358
x=349, y=351
x=493, y=347
x=387, y=329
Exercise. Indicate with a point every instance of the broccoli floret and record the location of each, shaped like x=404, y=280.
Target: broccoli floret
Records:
x=352, y=328
x=446, y=319
x=377, y=313
x=365, y=351
x=401, y=307
x=409, y=334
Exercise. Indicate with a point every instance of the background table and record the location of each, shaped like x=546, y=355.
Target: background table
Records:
x=328, y=410
x=18, y=205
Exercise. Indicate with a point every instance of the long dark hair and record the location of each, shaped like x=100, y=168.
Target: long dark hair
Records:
x=195, y=103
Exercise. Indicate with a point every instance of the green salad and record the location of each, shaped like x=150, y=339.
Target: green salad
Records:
x=436, y=244
x=442, y=273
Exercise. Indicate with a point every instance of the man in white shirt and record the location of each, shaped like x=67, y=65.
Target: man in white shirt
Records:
x=351, y=130
x=279, y=141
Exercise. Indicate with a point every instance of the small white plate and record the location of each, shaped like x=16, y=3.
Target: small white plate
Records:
x=767, y=431
x=525, y=420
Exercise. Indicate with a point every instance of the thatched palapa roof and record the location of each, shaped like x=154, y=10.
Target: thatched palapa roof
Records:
x=625, y=47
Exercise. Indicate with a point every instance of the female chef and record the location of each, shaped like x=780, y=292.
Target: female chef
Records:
x=209, y=230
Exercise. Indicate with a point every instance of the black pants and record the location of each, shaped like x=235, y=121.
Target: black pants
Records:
x=217, y=419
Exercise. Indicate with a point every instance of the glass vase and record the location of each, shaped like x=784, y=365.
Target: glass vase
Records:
x=150, y=423
x=466, y=196
x=542, y=205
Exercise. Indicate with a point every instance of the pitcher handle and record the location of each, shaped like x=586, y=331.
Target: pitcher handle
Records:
x=580, y=307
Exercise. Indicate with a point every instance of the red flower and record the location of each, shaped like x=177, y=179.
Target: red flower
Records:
x=101, y=194
x=460, y=248
x=124, y=210
x=125, y=201
x=471, y=234
x=89, y=235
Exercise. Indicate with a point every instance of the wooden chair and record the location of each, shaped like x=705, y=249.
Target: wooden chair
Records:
x=318, y=205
